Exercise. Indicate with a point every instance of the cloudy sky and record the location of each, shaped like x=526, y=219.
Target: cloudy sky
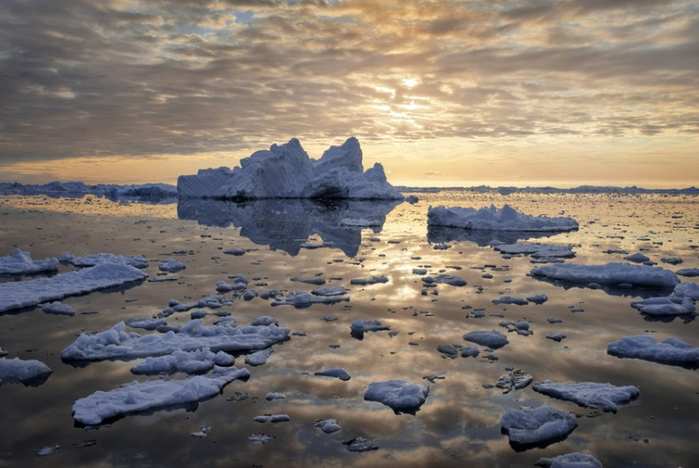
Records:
x=537, y=92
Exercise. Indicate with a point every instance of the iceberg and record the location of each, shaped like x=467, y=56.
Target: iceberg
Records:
x=399, y=395
x=20, y=294
x=115, y=343
x=613, y=274
x=286, y=171
x=536, y=427
x=138, y=397
x=671, y=351
x=21, y=263
x=494, y=219
x=606, y=396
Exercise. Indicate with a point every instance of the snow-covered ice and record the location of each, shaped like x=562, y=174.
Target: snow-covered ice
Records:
x=536, y=249
x=19, y=294
x=328, y=426
x=537, y=427
x=492, y=218
x=21, y=263
x=452, y=280
x=28, y=372
x=57, y=308
x=570, y=460
x=514, y=380
x=605, y=396
x=258, y=358
x=688, y=272
x=137, y=397
x=367, y=281
x=171, y=266
x=286, y=171
x=337, y=372
x=638, y=257
x=189, y=362
x=330, y=291
x=136, y=261
x=609, y=273
x=115, y=343
x=491, y=339
x=686, y=289
x=401, y=396
x=510, y=300
x=670, y=351
x=302, y=299
x=664, y=306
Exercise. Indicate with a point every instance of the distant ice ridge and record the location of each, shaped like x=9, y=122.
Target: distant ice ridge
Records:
x=112, y=191
x=494, y=219
x=19, y=294
x=21, y=263
x=287, y=171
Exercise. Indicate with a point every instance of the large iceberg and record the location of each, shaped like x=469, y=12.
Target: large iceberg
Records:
x=494, y=219
x=287, y=171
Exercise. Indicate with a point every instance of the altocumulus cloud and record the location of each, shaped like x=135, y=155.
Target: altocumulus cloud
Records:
x=140, y=77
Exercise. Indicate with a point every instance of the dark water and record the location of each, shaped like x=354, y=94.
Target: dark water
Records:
x=459, y=425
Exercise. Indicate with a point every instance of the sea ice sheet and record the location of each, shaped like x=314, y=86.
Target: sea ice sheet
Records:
x=610, y=273
x=606, y=396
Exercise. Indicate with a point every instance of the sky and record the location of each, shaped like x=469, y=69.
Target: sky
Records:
x=441, y=92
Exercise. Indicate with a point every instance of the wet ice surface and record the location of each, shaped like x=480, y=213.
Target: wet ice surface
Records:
x=459, y=424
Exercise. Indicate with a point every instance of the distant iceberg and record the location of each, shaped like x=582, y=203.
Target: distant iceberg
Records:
x=494, y=219
x=287, y=171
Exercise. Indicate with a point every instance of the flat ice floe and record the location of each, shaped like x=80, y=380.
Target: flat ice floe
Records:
x=494, y=219
x=28, y=372
x=136, y=261
x=452, y=280
x=570, y=460
x=302, y=299
x=328, y=426
x=664, y=306
x=610, y=274
x=688, y=272
x=401, y=396
x=171, y=266
x=537, y=427
x=536, y=249
x=137, y=397
x=21, y=263
x=686, y=289
x=510, y=300
x=115, y=343
x=19, y=294
x=491, y=339
x=57, y=308
x=198, y=361
x=606, y=396
x=671, y=351
x=338, y=373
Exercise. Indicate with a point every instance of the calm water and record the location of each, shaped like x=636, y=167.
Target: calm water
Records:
x=459, y=425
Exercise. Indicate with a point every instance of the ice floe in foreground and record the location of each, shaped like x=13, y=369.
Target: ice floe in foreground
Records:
x=28, y=372
x=401, y=396
x=614, y=274
x=19, y=294
x=115, y=343
x=21, y=263
x=491, y=339
x=606, y=396
x=137, y=397
x=537, y=427
x=492, y=218
x=672, y=351
x=286, y=171
x=570, y=460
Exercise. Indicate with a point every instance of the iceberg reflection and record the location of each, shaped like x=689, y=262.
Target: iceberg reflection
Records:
x=287, y=224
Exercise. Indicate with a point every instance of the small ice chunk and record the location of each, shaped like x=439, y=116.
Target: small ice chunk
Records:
x=451, y=280
x=538, y=298
x=469, y=351
x=554, y=320
x=202, y=432
x=316, y=281
x=328, y=426
x=302, y=299
x=491, y=339
x=570, y=460
x=556, y=336
x=21, y=263
x=338, y=373
x=689, y=272
x=372, y=280
x=606, y=396
x=48, y=450
x=137, y=397
x=234, y=251
x=637, y=258
x=273, y=418
x=536, y=427
x=671, y=351
x=671, y=260
x=510, y=300
x=27, y=372
x=449, y=351
x=360, y=444
x=171, y=266
x=260, y=439
x=145, y=323
x=664, y=306
x=330, y=291
x=57, y=308
x=359, y=327
x=258, y=358
x=192, y=362
x=514, y=380
x=274, y=396
x=412, y=199
x=401, y=396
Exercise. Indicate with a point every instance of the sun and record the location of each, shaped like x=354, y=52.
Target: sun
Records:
x=410, y=82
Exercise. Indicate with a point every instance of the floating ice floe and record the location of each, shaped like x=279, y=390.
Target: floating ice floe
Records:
x=469, y=351
x=315, y=281
x=360, y=444
x=570, y=460
x=21, y=263
x=57, y=308
x=198, y=361
x=286, y=171
x=452, y=280
x=137, y=397
x=558, y=337
x=328, y=426
x=686, y=289
x=171, y=266
x=302, y=299
x=637, y=258
x=610, y=274
x=359, y=327
x=372, y=280
x=536, y=249
x=330, y=291
x=136, y=261
x=399, y=395
x=504, y=219
x=274, y=396
x=145, y=323
x=48, y=450
x=514, y=380
x=537, y=427
x=338, y=373
x=19, y=294
x=605, y=396
x=491, y=339
x=671, y=260
x=115, y=343
x=510, y=300
x=665, y=306
x=538, y=298
x=272, y=418
x=258, y=358
x=234, y=251
x=28, y=372
x=671, y=351
x=688, y=272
